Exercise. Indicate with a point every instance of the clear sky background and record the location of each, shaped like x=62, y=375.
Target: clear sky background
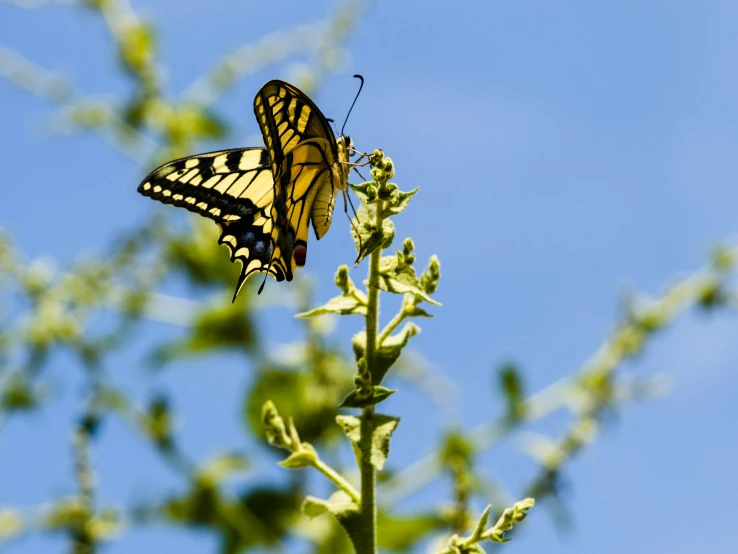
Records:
x=566, y=151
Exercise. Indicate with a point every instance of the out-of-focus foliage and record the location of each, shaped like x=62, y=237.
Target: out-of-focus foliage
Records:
x=50, y=310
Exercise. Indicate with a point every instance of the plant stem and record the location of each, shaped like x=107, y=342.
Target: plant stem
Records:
x=338, y=480
x=392, y=325
x=372, y=309
x=368, y=541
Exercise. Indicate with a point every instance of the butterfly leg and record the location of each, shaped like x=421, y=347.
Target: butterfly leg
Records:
x=346, y=196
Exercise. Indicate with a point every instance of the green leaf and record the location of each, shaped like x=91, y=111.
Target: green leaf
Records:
x=482, y=523
x=342, y=305
x=367, y=191
x=301, y=459
x=403, y=532
x=417, y=311
x=299, y=395
x=379, y=394
x=314, y=507
x=456, y=446
x=351, y=426
x=343, y=509
x=223, y=326
x=399, y=205
x=18, y=393
x=511, y=384
x=203, y=260
x=201, y=123
x=223, y=466
x=136, y=46
x=267, y=514
x=370, y=238
x=401, y=280
x=383, y=426
x=388, y=352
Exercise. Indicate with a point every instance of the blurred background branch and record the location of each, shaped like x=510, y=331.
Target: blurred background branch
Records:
x=101, y=313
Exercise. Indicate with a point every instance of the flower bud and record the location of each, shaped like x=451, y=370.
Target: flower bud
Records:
x=342, y=279
x=408, y=246
x=274, y=428
x=389, y=168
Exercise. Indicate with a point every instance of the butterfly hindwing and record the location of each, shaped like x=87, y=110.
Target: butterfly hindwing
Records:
x=250, y=243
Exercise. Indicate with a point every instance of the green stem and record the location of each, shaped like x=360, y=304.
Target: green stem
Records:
x=368, y=540
x=337, y=480
x=392, y=325
x=372, y=309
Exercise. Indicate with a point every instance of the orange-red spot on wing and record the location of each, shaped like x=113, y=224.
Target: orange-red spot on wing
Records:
x=299, y=254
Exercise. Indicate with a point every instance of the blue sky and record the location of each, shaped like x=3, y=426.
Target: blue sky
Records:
x=566, y=152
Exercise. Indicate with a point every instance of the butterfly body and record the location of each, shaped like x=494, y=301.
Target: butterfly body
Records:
x=264, y=199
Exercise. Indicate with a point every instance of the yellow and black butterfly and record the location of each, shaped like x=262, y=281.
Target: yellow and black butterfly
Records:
x=264, y=198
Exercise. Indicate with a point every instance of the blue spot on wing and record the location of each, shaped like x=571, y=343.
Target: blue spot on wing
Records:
x=259, y=246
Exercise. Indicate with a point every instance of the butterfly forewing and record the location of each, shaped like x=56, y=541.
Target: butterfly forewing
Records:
x=227, y=185
x=288, y=117
x=304, y=160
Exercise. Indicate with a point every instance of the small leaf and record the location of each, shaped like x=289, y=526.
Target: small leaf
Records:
x=294, y=436
x=310, y=402
x=417, y=311
x=482, y=523
x=455, y=447
x=343, y=305
x=223, y=466
x=351, y=426
x=512, y=387
x=384, y=426
x=221, y=326
x=401, y=280
x=346, y=512
x=369, y=239
x=314, y=507
x=300, y=459
x=401, y=533
x=379, y=394
x=388, y=352
x=403, y=199
x=367, y=191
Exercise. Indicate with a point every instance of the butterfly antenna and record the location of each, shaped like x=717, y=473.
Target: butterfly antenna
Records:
x=361, y=86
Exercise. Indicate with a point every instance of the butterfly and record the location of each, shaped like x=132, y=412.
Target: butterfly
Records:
x=264, y=199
